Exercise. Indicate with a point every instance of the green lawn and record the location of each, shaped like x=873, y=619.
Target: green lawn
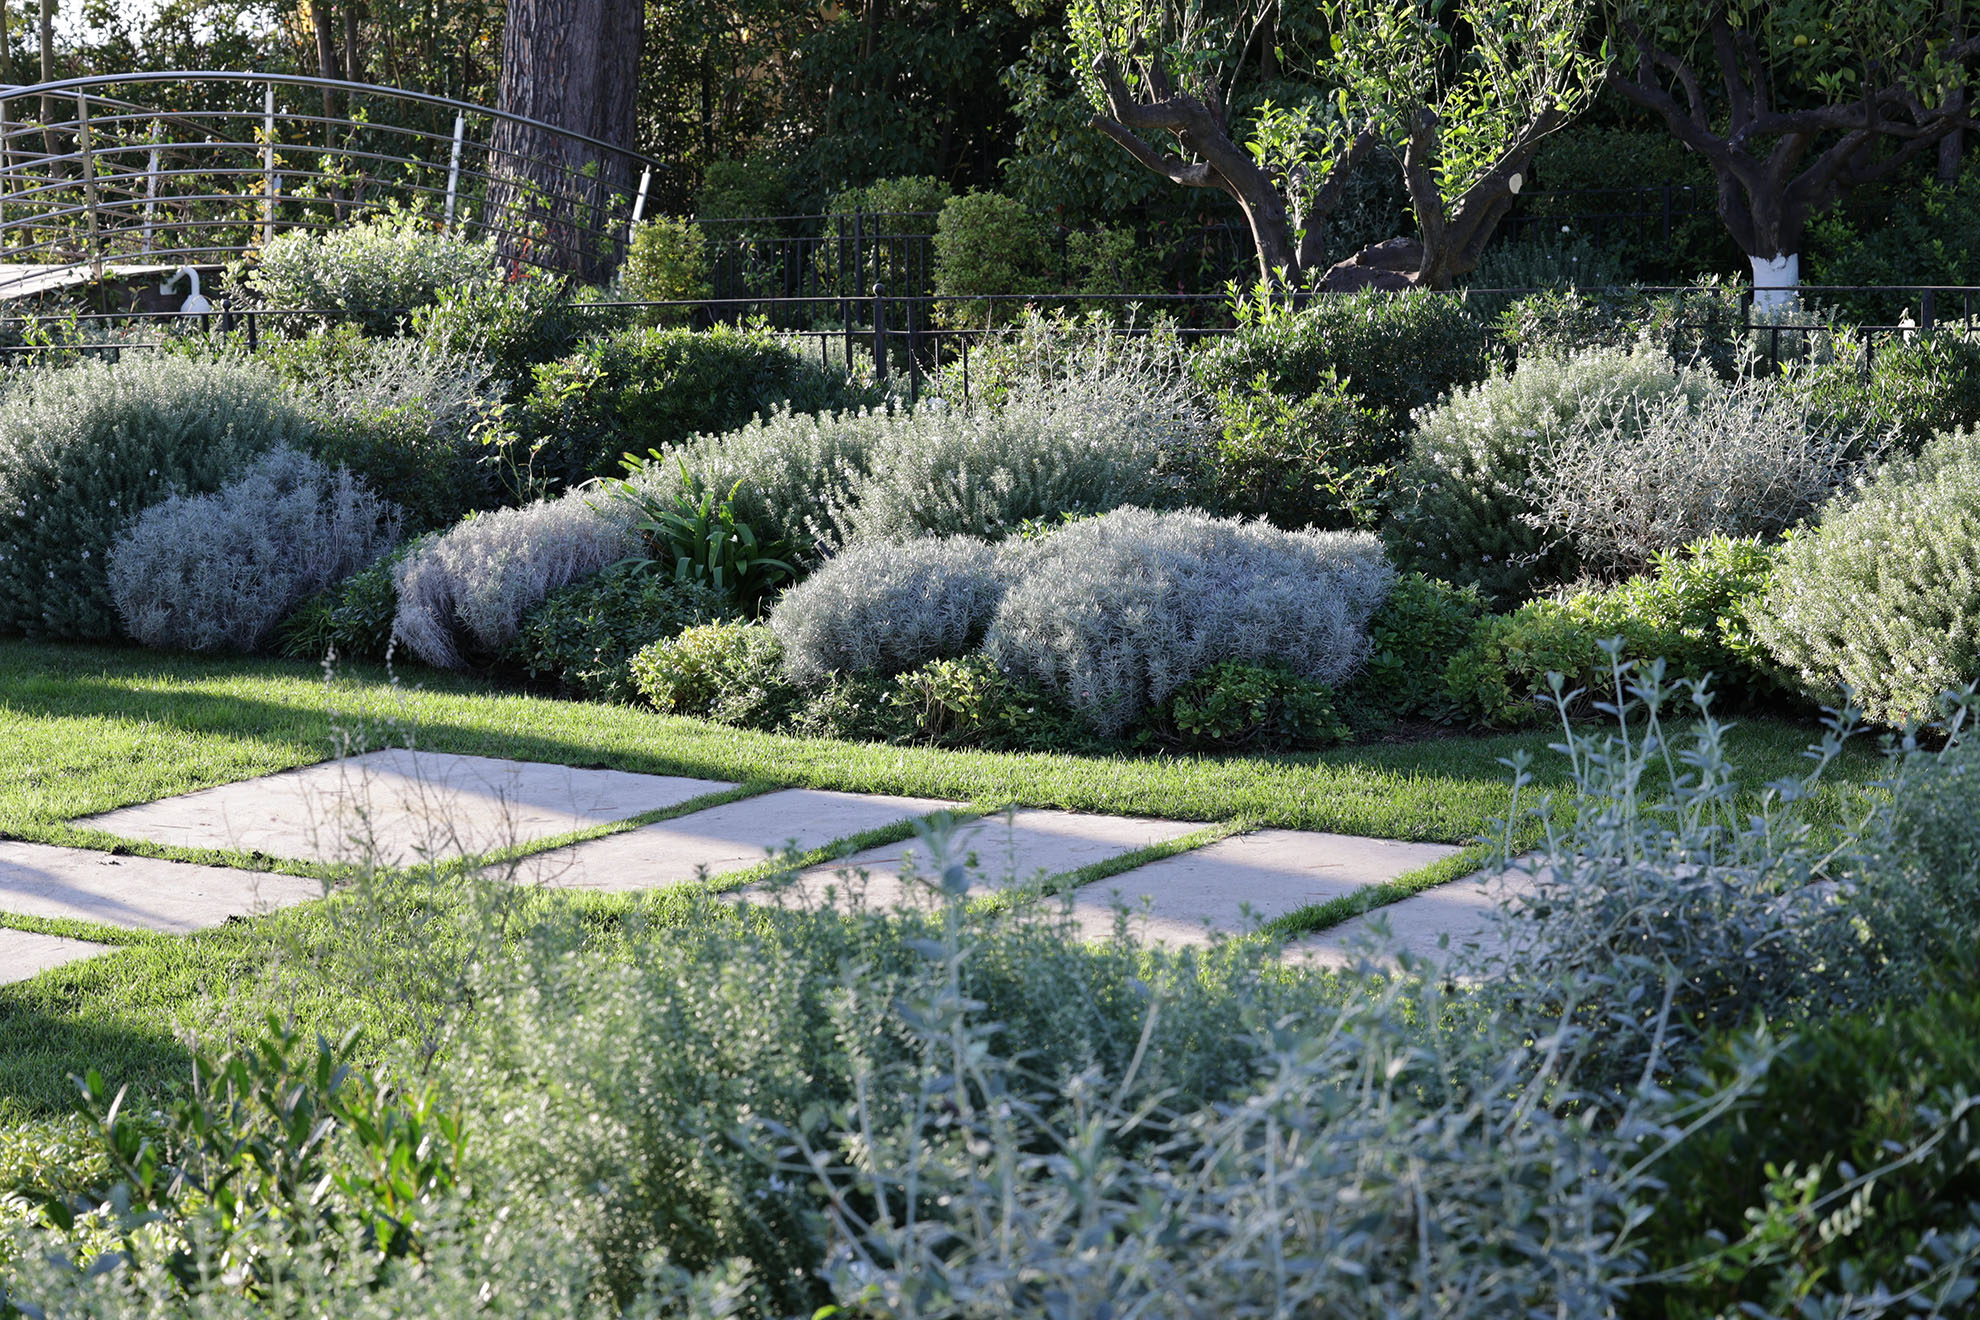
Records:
x=87, y=729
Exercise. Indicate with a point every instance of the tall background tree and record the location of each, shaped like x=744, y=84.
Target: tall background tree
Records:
x=573, y=64
x=1794, y=102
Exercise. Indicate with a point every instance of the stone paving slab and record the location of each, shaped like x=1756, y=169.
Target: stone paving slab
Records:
x=1272, y=872
x=24, y=954
x=1009, y=849
x=1461, y=909
x=139, y=893
x=730, y=837
x=400, y=806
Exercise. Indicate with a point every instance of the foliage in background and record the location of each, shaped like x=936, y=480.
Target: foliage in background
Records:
x=514, y=327
x=1591, y=167
x=667, y=261
x=84, y=448
x=372, y=273
x=1915, y=387
x=987, y=243
x=581, y=638
x=1396, y=353
x=220, y=571
x=1882, y=594
x=1701, y=326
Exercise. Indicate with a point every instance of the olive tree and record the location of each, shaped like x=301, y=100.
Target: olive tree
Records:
x=1161, y=75
x=1464, y=91
x=1791, y=102
x=1460, y=91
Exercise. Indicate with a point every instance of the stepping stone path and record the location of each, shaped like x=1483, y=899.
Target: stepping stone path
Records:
x=401, y=807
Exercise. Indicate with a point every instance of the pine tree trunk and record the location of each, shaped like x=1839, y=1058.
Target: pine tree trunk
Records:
x=574, y=64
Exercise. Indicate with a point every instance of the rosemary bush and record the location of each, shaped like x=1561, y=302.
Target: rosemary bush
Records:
x=1882, y=595
x=1466, y=499
x=83, y=448
x=220, y=571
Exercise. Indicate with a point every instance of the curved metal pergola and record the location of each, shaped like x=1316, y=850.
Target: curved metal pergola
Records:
x=115, y=170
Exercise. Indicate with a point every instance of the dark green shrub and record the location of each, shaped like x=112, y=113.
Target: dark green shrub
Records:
x=986, y=243
x=1500, y=678
x=1235, y=706
x=352, y=618
x=1315, y=456
x=85, y=448
x=1586, y=155
x=753, y=188
x=1395, y=352
x=582, y=639
x=1412, y=637
x=1111, y=260
x=513, y=327
x=970, y=702
x=729, y=672
x=1841, y=1098
x=648, y=389
x=1704, y=325
x=909, y=205
x=1690, y=612
x=1882, y=595
x=1915, y=231
x=1913, y=390
x=667, y=261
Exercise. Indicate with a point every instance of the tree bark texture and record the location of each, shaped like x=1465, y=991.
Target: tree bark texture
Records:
x=1771, y=177
x=573, y=64
x=1200, y=126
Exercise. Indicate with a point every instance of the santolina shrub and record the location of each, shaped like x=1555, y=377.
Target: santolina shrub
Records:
x=1113, y=614
x=220, y=571
x=83, y=448
x=886, y=609
x=466, y=591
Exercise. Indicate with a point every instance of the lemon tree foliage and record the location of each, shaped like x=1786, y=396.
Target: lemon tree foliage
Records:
x=1792, y=102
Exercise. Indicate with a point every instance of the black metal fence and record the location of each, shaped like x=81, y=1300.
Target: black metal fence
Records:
x=908, y=340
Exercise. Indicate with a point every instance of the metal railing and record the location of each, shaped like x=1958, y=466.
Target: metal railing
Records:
x=113, y=176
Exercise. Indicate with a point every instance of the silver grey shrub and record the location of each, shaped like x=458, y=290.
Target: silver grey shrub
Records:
x=1743, y=460
x=84, y=447
x=1882, y=595
x=468, y=589
x=1114, y=613
x=1657, y=914
x=1467, y=495
x=886, y=609
x=219, y=571
x=1086, y=429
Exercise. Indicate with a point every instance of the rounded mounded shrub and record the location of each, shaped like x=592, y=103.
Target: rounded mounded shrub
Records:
x=886, y=609
x=647, y=389
x=373, y=273
x=83, y=448
x=1114, y=614
x=582, y=638
x=1882, y=595
x=1467, y=499
x=220, y=571
x=464, y=593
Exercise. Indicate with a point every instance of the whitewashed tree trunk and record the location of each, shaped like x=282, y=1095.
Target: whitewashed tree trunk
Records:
x=1776, y=281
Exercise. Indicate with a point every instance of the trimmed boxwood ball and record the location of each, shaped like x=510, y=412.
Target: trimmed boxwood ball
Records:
x=84, y=448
